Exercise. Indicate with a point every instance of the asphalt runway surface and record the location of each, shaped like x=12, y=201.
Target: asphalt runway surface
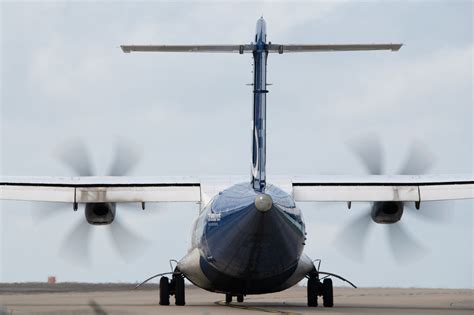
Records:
x=68, y=299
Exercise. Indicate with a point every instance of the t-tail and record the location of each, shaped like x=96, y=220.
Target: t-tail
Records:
x=260, y=50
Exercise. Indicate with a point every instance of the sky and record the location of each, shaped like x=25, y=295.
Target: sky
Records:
x=64, y=77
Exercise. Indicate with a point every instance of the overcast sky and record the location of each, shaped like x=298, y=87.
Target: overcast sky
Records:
x=63, y=77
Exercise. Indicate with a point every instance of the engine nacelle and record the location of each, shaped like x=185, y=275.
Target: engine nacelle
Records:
x=387, y=212
x=100, y=213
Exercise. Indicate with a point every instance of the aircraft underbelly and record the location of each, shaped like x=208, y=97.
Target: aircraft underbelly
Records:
x=205, y=276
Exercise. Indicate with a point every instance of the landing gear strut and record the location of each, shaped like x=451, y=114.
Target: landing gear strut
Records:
x=175, y=287
x=317, y=288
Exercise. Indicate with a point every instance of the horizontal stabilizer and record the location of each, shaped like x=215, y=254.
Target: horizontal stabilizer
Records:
x=189, y=48
x=272, y=48
x=276, y=48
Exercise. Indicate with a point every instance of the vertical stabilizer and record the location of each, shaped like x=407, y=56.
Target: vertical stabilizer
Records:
x=259, y=107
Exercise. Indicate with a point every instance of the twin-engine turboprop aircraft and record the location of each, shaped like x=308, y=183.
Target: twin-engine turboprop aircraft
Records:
x=249, y=236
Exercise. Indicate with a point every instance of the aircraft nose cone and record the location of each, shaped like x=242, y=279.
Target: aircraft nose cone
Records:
x=263, y=202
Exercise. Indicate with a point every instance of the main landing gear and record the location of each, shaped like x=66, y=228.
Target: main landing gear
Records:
x=175, y=287
x=317, y=288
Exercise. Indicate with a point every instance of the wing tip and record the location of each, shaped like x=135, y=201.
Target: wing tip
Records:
x=125, y=49
x=396, y=47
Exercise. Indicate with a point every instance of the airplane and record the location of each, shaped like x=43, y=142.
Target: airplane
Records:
x=249, y=236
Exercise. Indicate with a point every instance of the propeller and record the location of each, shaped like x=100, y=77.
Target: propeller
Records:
x=76, y=245
x=403, y=246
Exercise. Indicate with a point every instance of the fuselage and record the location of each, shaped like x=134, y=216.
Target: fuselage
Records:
x=249, y=239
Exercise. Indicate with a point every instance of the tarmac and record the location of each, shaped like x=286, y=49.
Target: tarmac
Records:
x=95, y=299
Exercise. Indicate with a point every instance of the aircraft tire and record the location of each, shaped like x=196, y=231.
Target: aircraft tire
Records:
x=164, y=291
x=312, y=292
x=240, y=298
x=328, y=293
x=179, y=294
x=228, y=298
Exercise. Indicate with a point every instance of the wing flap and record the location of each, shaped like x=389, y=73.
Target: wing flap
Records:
x=355, y=193
x=446, y=192
x=37, y=193
x=139, y=194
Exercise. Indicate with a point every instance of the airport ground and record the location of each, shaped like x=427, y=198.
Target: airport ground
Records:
x=94, y=299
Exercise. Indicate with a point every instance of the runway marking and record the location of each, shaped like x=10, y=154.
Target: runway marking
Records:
x=253, y=308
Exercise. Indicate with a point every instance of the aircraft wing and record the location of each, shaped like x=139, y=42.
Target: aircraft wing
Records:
x=277, y=48
x=416, y=188
x=186, y=189
x=100, y=189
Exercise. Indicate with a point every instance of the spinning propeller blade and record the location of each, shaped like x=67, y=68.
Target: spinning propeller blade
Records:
x=125, y=159
x=75, y=155
x=127, y=243
x=354, y=235
x=369, y=151
x=419, y=160
x=404, y=247
x=76, y=245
